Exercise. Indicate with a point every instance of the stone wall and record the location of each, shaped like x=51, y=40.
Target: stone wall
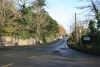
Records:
x=9, y=41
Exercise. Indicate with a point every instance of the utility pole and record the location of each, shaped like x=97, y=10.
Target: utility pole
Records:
x=75, y=29
x=70, y=29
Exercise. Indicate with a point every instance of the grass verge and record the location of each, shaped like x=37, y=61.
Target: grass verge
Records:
x=86, y=49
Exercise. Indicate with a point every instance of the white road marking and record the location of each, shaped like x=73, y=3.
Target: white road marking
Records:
x=10, y=64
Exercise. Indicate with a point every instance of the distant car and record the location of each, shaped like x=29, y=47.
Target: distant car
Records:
x=60, y=37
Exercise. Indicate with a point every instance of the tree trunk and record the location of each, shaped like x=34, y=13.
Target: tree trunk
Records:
x=44, y=40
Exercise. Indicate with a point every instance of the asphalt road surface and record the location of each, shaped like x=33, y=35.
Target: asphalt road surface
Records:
x=57, y=55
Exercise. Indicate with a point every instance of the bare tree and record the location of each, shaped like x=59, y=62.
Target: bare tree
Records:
x=38, y=6
x=8, y=14
x=94, y=6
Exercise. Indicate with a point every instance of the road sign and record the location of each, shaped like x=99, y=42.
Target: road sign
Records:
x=86, y=38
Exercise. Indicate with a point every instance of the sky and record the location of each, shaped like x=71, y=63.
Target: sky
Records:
x=63, y=11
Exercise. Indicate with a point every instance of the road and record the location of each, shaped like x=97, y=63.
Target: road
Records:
x=57, y=55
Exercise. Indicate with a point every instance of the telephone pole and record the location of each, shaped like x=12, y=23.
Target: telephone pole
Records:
x=75, y=29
